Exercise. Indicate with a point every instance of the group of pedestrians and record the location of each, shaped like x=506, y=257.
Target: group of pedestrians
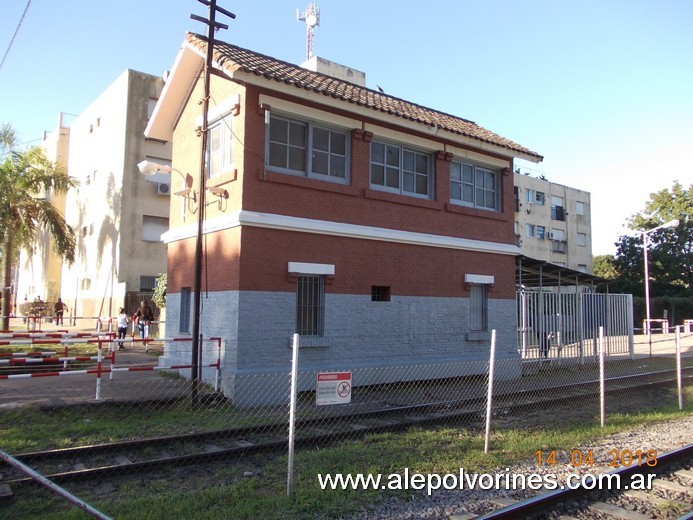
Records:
x=142, y=318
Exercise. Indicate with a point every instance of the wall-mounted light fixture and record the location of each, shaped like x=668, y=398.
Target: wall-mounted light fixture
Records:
x=221, y=194
x=188, y=193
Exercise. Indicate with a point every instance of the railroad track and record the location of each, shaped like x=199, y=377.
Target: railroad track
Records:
x=670, y=495
x=176, y=450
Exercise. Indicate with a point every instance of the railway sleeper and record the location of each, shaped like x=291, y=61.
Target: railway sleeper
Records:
x=617, y=512
x=652, y=501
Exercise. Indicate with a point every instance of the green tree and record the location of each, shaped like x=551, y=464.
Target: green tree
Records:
x=26, y=177
x=159, y=296
x=603, y=266
x=670, y=250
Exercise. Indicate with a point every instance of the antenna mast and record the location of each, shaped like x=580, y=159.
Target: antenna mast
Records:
x=312, y=18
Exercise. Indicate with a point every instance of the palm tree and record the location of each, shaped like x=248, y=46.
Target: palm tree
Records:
x=26, y=179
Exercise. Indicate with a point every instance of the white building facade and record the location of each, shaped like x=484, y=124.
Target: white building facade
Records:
x=117, y=213
x=553, y=222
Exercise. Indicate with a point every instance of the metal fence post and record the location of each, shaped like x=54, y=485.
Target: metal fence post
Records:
x=99, y=358
x=292, y=415
x=489, y=396
x=678, y=366
x=602, y=411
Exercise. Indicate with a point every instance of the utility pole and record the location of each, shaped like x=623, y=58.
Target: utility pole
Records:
x=212, y=26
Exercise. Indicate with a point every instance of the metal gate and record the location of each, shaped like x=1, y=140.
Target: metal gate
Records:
x=554, y=325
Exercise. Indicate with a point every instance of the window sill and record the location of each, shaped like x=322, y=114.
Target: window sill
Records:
x=312, y=342
x=305, y=182
x=473, y=212
x=401, y=199
x=479, y=336
x=223, y=178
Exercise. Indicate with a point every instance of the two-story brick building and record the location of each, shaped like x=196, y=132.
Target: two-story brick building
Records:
x=378, y=229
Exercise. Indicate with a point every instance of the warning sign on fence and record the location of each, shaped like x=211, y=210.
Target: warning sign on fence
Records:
x=333, y=388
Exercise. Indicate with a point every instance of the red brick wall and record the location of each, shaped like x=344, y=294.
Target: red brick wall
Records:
x=272, y=192
x=409, y=270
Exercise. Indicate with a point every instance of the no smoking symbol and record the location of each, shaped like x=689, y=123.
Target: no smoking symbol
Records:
x=343, y=389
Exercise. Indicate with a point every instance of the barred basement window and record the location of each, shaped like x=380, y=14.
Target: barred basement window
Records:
x=184, y=319
x=310, y=305
x=478, y=308
x=380, y=293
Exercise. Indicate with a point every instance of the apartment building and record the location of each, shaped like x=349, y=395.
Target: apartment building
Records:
x=39, y=274
x=118, y=215
x=379, y=230
x=553, y=222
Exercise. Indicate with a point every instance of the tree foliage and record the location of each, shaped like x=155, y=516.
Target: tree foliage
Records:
x=159, y=296
x=669, y=250
x=27, y=179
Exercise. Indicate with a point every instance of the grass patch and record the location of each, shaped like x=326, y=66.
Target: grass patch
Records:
x=255, y=486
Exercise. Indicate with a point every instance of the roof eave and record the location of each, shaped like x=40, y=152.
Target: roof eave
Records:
x=179, y=84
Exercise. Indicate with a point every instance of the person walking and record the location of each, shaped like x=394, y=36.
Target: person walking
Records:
x=58, y=310
x=144, y=317
x=122, y=322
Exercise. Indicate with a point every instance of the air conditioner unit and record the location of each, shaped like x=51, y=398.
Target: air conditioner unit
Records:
x=163, y=188
x=551, y=235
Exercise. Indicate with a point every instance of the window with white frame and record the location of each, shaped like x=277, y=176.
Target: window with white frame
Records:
x=529, y=196
x=579, y=208
x=540, y=198
x=473, y=185
x=401, y=170
x=219, y=155
x=581, y=239
x=478, y=307
x=529, y=230
x=308, y=149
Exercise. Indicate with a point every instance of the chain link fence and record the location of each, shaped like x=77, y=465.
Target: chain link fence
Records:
x=72, y=401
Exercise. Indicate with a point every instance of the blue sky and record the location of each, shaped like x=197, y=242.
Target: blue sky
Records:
x=603, y=89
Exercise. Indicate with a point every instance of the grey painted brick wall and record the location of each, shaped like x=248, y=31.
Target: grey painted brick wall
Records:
x=408, y=338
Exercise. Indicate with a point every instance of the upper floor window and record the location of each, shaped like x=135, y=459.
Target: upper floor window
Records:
x=473, y=185
x=582, y=239
x=153, y=227
x=401, y=170
x=541, y=232
x=540, y=198
x=307, y=149
x=529, y=194
x=557, y=208
x=219, y=157
x=579, y=208
x=530, y=230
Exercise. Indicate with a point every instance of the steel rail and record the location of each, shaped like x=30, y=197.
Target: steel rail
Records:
x=239, y=433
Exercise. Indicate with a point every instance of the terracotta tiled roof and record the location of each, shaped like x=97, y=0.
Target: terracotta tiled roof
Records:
x=231, y=58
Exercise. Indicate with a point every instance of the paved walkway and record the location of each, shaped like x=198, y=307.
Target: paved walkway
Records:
x=139, y=385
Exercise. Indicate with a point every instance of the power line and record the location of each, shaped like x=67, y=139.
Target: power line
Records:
x=15, y=33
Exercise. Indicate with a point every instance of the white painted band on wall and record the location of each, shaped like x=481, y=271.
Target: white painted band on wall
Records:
x=340, y=229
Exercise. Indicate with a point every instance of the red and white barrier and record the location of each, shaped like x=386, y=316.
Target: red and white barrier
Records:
x=44, y=357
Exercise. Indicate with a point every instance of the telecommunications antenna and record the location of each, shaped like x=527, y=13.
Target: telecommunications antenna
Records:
x=312, y=18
